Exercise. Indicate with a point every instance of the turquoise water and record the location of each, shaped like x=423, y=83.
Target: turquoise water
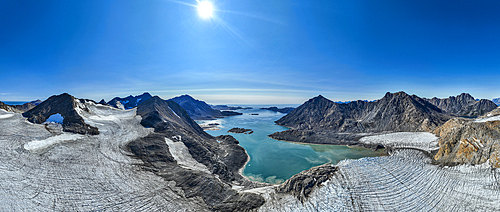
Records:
x=274, y=161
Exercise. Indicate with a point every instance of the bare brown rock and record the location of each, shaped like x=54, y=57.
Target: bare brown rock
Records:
x=467, y=142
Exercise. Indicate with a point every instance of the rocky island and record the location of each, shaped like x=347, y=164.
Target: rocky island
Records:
x=240, y=130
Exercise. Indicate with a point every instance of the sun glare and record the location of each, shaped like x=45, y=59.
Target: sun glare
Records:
x=205, y=9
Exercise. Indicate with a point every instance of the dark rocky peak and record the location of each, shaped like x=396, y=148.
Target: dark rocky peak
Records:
x=103, y=102
x=166, y=115
x=465, y=97
x=64, y=105
x=463, y=105
x=394, y=112
x=129, y=101
x=196, y=109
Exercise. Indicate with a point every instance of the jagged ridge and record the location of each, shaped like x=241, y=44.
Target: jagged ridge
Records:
x=65, y=105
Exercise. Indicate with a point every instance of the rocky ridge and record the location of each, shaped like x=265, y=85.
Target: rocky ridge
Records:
x=320, y=120
x=464, y=141
x=463, y=105
x=200, y=110
x=129, y=101
x=223, y=159
x=20, y=108
x=65, y=105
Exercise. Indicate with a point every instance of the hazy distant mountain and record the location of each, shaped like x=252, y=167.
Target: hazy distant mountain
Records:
x=226, y=107
x=64, y=105
x=496, y=101
x=281, y=110
x=200, y=110
x=463, y=105
x=394, y=112
x=129, y=101
x=20, y=108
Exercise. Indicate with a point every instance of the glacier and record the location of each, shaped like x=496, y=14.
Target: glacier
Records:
x=99, y=173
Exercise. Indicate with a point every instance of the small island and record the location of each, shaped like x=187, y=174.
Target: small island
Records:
x=240, y=130
x=225, y=107
x=230, y=113
x=281, y=110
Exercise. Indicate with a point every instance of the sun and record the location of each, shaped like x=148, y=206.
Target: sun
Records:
x=205, y=9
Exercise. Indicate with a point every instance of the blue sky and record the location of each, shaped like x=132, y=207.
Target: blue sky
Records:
x=251, y=51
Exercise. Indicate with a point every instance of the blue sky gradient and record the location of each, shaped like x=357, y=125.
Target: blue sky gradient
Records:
x=252, y=51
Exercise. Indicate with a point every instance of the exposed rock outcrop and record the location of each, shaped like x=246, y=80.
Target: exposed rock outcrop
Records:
x=463, y=105
x=468, y=142
x=65, y=105
x=303, y=183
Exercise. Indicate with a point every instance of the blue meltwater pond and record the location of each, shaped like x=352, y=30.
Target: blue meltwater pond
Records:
x=274, y=161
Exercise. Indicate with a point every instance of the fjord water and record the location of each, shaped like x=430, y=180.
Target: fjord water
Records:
x=274, y=161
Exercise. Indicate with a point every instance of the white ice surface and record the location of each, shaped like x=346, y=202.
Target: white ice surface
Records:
x=181, y=154
x=419, y=140
x=491, y=118
x=4, y=114
x=38, y=145
x=96, y=173
x=404, y=181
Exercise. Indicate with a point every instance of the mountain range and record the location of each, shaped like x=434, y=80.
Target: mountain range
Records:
x=463, y=105
x=320, y=120
x=200, y=110
x=129, y=101
x=20, y=108
x=496, y=101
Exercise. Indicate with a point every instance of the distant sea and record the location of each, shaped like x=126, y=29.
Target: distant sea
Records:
x=274, y=161
x=14, y=103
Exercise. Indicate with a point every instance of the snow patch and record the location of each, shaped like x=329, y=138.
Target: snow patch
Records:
x=4, y=114
x=419, y=140
x=490, y=118
x=174, y=112
x=181, y=154
x=37, y=145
